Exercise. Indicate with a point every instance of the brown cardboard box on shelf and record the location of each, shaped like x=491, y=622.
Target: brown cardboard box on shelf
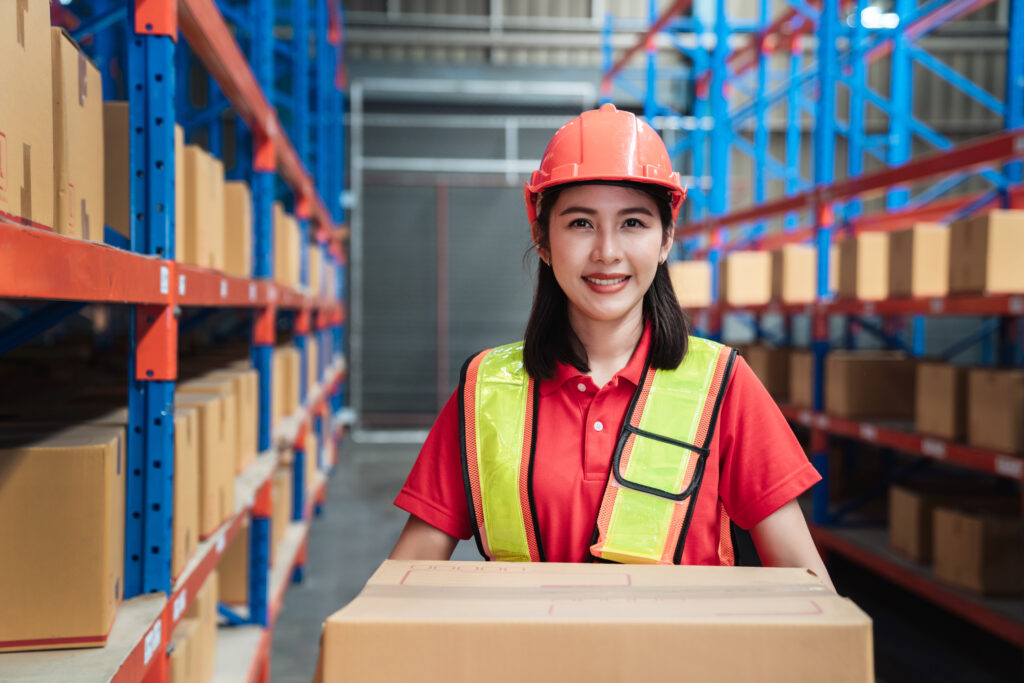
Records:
x=233, y=569
x=186, y=487
x=745, y=278
x=864, y=266
x=198, y=199
x=204, y=643
x=995, y=403
x=869, y=384
x=286, y=247
x=182, y=660
x=281, y=502
x=216, y=459
x=919, y=261
x=801, y=379
x=237, y=229
x=984, y=253
x=77, y=141
x=246, y=384
x=795, y=274
x=660, y=618
x=771, y=366
x=229, y=388
x=27, y=184
x=216, y=241
x=312, y=356
x=312, y=461
x=941, y=405
x=910, y=522
x=315, y=270
x=691, y=281
x=62, y=502
x=979, y=547
x=180, y=190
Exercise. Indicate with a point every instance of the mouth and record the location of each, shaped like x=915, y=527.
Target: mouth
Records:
x=605, y=281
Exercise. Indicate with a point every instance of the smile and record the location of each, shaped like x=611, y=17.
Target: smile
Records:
x=605, y=283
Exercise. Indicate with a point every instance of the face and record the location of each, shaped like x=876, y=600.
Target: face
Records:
x=604, y=246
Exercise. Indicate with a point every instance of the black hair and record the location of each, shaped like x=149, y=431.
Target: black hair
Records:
x=549, y=336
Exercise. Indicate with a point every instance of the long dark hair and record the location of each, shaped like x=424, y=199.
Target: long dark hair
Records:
x=549, y=336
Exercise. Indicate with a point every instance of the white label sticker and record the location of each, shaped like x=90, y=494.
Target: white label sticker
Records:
x=822, y=422
x=1018, y=144
x=1010, y=467
x=1016, y=304
x=220, y=545
x=934, y=448
x=868, y=432
x=179, y=604
x=272, y=293
x=181, y=285
x=805, y=417
x=152, y=643
x=252, y=291
x=223, y=289
x=869, y=308
x=165, y=280
x=937, y=305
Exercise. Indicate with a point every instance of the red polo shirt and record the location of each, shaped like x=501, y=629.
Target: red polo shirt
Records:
x=755, y=465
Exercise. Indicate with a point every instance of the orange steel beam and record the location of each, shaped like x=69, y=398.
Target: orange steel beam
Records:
x=678, y=7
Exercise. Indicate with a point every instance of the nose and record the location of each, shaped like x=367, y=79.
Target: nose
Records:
x=607, y=248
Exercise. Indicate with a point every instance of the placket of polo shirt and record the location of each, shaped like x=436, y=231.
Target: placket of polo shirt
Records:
x=598, y=434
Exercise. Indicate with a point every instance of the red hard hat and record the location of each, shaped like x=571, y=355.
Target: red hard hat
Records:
x=605, y=144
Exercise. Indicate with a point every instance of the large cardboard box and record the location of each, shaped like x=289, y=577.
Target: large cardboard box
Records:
x=237, y=229
x=745, y=278
x=180, y=191
x=77, y=141
x=117, y=169
x=233, y=569
x=216, y=412
x=869, y=384
x=771, y=366
x=995, y=404
x=787, y=625
x=801, y=379
x=182, y=660
x=795, y=274
x=691, y=281
x=864, y=267
x=941, y=404
x=27, y=184
x=186, y=487
x=216, y=241
x=286, y=247
x=246, y=389
x=919, y=261
x=204, y=209
x=316, y=258
x=281, y=507
x=984, y=253
x=204, y=643
x=311, y=452
x=62, y=502
x=910, y=522
x=979, y=548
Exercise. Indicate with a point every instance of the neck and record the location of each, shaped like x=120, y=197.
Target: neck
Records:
x=609, y=343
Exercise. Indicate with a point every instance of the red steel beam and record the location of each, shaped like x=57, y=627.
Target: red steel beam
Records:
x=678, y=7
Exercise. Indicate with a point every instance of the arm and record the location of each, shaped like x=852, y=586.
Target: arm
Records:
x=420, y=541
x=783, y=540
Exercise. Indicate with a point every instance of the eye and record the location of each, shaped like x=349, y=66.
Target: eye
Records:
x=579, y=223
x=634, y=223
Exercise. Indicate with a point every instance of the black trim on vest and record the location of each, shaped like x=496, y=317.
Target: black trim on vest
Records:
x=529, y=473
x=465, y=460
x=664, y=439
x=677, y=557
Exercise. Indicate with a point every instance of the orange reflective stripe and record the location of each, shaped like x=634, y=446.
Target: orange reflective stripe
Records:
x=470, y=460
x=726, y=554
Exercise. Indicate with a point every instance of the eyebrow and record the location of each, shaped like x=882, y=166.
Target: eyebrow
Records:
x=592, y=212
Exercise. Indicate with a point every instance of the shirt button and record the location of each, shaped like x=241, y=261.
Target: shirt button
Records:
x=598, y=426
x=581, y=386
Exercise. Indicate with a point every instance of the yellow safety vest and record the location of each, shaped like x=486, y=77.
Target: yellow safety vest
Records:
x=656, y=469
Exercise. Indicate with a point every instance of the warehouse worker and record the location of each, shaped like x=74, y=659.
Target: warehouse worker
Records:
x=609, y=433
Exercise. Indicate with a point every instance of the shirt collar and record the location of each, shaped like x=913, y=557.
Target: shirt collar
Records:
x=633, y=372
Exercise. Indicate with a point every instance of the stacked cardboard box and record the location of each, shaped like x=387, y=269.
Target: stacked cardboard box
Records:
x=864, y=267
x=316, y=259
x=983, y=253
x=691, y=281
x=62, y=503
x=77, y=141
x=919, y=261
x=771, y=366
x=745, y=278
x=801, y=379
x=995, y=403
x=795, y=274
x=246, y=386
x=911, y=510
x=27, y=183
x=216, y=420
x=186, y=487
x=233, y=569
x=286, y=247
x=977, y=546
x=203, y=644
x=941, y=404
x=285, y=366
x=184, y=661
x=204, y=210
x=237, y=229
x=788, y=625
x=869, y=384
x=281, y=500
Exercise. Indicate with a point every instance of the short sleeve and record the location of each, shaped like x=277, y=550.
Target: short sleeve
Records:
x=762, y=465
x=434, y=490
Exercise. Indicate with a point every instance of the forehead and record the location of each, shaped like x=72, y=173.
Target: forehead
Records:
x=604, y=198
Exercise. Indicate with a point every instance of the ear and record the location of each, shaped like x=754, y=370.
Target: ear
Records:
x=535, y=235
x=666, y=245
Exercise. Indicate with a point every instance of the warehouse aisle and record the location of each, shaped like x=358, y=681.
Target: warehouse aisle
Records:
x=915, y=642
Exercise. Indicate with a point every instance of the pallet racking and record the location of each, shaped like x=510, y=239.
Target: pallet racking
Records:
x=807, y=87
x=140, y=40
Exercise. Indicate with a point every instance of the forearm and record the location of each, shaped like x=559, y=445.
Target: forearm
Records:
x=783, y=540
x=420, y=541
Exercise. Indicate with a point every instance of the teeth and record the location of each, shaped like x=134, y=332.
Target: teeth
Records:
x=605, y=282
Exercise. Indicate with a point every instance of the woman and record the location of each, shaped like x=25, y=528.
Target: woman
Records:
x=609, y=434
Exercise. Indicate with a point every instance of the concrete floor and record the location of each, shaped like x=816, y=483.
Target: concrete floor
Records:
x=915, y=642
